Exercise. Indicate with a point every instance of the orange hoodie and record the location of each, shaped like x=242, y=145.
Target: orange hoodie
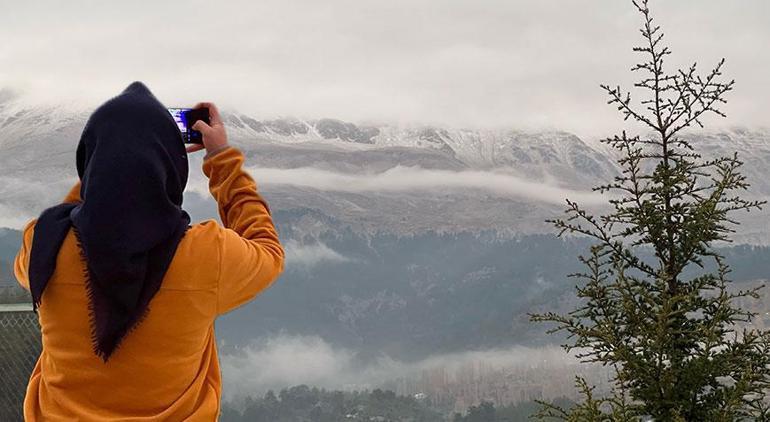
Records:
x=167, y=368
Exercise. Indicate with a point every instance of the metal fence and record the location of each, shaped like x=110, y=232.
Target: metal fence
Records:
x=19, y=349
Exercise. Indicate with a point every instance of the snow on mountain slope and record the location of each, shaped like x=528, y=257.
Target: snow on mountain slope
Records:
x=557, y=157
x=37, y=155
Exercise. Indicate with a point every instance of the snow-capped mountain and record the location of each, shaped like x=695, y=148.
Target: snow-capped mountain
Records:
x=550, y=156
x=391, y=178
x=400, y=240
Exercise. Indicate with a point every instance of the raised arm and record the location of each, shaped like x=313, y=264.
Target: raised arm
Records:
x=250, y=254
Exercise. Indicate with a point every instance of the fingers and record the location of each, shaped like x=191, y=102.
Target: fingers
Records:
x=194, y=147
x=214, y=116
x=201, y=127
x=214, y=134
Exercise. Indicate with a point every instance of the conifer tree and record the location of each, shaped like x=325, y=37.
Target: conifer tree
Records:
x=658, y=307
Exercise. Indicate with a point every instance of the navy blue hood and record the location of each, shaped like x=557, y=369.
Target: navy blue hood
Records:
x=133, y=168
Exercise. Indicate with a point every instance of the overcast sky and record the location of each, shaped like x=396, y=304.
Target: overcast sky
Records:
x=473, y=63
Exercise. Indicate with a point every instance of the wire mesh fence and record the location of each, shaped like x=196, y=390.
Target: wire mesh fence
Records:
x=19, y=349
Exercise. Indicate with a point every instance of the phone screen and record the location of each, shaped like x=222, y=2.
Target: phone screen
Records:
x=185, y=118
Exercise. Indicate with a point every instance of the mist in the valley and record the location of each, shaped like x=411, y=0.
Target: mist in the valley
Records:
x=11, y=217
x=406, y=179
x=286, y=360
x=301, y=256
x=21, y=200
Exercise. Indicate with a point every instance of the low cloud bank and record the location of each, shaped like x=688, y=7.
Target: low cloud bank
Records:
x=12, y=218
x=416, y=179
x=22, y=199
x=303, y=256
x=402, y=178
x=283, y=361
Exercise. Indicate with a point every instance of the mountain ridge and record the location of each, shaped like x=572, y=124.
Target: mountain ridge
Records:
x=360, y=160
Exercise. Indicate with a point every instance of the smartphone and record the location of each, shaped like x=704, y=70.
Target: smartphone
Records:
x=185, y=118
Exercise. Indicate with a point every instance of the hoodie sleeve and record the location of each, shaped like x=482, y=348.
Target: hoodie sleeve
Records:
x=250, y=254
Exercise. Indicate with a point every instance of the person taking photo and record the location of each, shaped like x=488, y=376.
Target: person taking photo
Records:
x=126, y=288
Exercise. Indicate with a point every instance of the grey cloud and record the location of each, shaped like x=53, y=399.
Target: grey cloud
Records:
x=11, y=218
x=401, y=178
x=305, y=256
x=521, y=63
x=22, y=198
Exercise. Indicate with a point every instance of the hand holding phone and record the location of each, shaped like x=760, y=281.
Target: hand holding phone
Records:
x=213, y=134
x=185, y=119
